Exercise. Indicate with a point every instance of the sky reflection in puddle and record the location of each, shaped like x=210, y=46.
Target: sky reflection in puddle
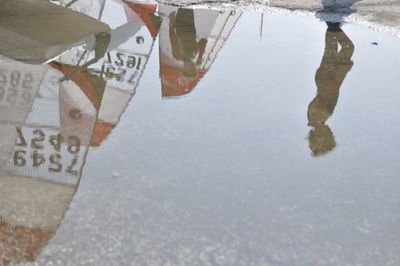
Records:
x=273, y=144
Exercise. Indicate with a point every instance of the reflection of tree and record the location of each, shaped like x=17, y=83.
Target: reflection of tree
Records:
x=335, y=65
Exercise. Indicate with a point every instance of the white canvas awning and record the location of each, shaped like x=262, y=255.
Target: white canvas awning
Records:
x=37, y=31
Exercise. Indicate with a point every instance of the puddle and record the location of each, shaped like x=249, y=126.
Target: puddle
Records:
x=160, y=135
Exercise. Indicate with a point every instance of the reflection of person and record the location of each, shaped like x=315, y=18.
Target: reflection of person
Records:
x=190, y=41
x=185, y=47
x=335, y=65
x=100, y=45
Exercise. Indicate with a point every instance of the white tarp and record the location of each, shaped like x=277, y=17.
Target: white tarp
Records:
x=27, y=37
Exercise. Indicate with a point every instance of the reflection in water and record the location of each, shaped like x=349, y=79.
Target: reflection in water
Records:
x=189, y=43
x=185, y=47
x=27, y=37
x=338, y=9
x=51, y=114
x=40, y=163
x=101, y=43
x=336, y=63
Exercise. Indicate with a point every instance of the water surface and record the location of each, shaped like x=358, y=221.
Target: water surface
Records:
x=198, y=137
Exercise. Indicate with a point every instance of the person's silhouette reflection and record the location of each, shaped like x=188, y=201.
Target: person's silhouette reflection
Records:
x=335, y=65
x=181, y=54
x=100, y=45
x=185, y=47
x=189, y=42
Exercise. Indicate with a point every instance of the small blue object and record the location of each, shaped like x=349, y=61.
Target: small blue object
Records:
x=374, y=43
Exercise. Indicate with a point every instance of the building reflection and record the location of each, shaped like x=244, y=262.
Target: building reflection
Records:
x=336, y=63
x=189, y=43
x=51, y=114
